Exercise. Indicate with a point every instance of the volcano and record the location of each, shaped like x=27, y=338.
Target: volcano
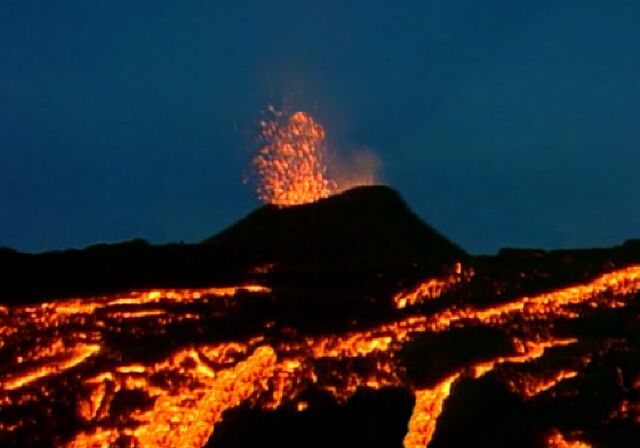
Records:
x=364, y=226
x=345, y=322
x=364, y=231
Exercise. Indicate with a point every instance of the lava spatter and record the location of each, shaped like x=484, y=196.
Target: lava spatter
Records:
x=291, y=164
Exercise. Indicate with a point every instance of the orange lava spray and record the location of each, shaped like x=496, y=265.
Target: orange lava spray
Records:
x=290, y=163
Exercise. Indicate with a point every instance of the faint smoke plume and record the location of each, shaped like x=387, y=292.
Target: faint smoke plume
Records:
x=355, y=168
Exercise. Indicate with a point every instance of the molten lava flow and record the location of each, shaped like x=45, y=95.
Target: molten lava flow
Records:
x=605, y=291
x=426, y=410
x=63, y=358
x=85, y=352
x=429, y=402
x=182, y=411
x=183, y=295
x=432, y=288
x=64, y=341
x=532, y=350
x=529, y=386
x=290, y=163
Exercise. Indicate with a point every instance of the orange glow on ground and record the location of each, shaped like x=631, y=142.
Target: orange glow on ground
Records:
x=431, y=288
x=178, y=398
x=603, y=292
x=63, y=357
x=184, y=412
x=426, y=411
x=557, y=440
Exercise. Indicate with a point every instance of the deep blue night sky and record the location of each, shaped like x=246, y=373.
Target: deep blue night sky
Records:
x=501, y=123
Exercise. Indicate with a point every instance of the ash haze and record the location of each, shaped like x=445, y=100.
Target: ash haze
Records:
x=501, y=123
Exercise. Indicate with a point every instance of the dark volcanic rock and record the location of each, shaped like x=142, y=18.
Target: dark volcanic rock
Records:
x=368, y=419
x=363, y=227
x=484, y=413
x=356, y=234
x=433, y=356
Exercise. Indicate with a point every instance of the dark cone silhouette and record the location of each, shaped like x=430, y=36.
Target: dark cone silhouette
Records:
x=362, y=227
x=361, y=232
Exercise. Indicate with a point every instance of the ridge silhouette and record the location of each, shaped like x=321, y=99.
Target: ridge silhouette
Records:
x=361, y=232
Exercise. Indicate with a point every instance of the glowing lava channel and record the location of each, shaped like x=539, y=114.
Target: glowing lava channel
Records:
x=182, y=396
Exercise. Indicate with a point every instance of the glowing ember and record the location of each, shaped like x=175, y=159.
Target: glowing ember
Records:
x=290, y=163
x=557, y=440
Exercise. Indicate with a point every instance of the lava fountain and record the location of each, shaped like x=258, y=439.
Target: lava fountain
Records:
x=290, y=163
x=292, y=166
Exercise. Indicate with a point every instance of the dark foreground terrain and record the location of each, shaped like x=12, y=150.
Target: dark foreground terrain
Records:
x=347, y=323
